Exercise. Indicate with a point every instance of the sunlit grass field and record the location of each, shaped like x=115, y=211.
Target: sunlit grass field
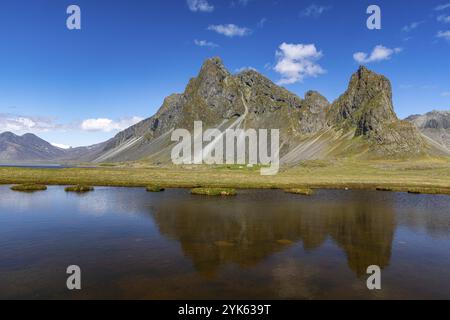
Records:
x=425, y=176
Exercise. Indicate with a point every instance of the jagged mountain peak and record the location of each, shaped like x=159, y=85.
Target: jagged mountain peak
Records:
x=366, y=107
x=368, y=94
x=213, y=66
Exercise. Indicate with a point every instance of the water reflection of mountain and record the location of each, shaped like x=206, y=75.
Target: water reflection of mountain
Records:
x=248, y=229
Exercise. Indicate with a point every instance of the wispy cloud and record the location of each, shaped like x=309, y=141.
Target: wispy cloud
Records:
x=108, y=125
x=200, y=5
x=295, y=62
x=230, y=30
x=443, y=18
x=20, y=124
x=204, y=43
x=410, y=27
x=445, y=94
x=444, y=34
x=442, y=7
x=379, y=53
x=242, y=3
x=314, y=11
x=261, y=23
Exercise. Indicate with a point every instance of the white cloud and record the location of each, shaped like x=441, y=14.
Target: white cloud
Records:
x=443, y=18
x=296, y=62
x=204, y=43
x=410, y=27
x=230, y=30
x=59, y=145
x=379, y=53
x=444, y=34
x=24, y=124
x=108, y=125
x=314, y=11
x=442, y=7
x=445, y=94
x=200, y=5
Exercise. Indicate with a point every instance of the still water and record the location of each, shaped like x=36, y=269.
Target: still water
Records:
x=131, y=244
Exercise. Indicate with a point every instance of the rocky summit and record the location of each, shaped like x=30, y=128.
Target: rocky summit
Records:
x=366, y=107
x=361, y=123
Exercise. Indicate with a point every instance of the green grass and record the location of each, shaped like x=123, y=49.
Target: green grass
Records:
x=214, y=191
x=155, y=189
x=79, y=189
x=302, y=191
x=29, y=187
x=398, y=176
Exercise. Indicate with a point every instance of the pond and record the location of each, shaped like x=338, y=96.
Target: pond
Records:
x=261, y=244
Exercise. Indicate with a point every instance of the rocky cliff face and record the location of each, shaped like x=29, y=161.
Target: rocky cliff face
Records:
x=435, y=125
x=367, y=108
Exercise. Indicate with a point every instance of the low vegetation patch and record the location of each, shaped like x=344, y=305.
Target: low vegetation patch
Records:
x=155, y=189
x=384, y=189
x=302, y=191
x=29, y=187
x=79, y=189
x=213, y=192
x=428, y=191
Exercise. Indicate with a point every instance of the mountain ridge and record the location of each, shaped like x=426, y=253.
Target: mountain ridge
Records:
x=359, y=123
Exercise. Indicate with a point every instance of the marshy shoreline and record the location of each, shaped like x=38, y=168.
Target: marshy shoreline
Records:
x=427, y=176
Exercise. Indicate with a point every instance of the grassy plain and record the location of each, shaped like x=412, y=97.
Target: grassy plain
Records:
x=425, y=176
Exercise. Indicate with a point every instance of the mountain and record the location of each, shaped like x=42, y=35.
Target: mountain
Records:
x=360, y=123
x=435, y=125
x=367, y=108
x=27, y=148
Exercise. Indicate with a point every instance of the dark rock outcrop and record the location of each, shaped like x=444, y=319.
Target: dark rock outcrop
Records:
x=367, y=108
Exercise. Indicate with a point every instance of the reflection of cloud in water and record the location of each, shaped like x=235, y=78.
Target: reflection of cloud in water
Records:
x=104, y=200
x=23, y=201
x=252, y=226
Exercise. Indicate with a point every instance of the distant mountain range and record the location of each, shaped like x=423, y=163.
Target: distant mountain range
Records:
x=29, y=148
x=361, y=123
x=435, y=125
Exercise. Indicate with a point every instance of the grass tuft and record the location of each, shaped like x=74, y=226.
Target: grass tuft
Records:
x=213, y=192
x=155, y=189
x=302, y=191
x=79, y=189
x=29, y=187
x=384, y=189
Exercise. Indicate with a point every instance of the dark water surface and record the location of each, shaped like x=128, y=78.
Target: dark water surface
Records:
x=258, y=245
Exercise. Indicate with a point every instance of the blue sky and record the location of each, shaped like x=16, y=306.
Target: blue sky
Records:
x=78, y=87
